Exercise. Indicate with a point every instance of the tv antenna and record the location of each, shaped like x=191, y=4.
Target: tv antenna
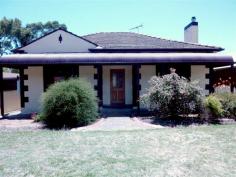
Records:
x=136, y=28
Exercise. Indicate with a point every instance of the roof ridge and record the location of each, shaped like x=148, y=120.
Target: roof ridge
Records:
x=107, y=32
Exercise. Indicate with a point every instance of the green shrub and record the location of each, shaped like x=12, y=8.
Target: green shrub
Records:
x=213, y=104
x=228, y=101
x=172, y=95
x=69, y=104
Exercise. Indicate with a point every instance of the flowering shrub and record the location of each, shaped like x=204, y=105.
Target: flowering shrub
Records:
x=172, y=95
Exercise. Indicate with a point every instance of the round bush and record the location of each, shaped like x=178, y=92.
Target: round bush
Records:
x=68, y=104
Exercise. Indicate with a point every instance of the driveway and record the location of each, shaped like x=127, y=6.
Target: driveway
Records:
x=117, y=123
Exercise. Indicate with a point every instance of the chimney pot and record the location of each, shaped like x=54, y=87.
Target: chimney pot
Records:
x=194, y=19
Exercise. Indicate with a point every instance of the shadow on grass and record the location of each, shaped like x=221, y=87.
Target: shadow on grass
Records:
x=16, y=116
x=24, y=122
x=185, y=121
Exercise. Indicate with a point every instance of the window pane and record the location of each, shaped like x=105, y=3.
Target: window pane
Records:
x=114, y=78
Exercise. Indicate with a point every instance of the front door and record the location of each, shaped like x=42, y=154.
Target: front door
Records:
x=117, y=83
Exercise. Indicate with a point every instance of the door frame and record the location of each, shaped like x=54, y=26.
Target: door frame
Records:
x=117, y=104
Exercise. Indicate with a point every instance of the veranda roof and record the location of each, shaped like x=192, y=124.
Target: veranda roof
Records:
x=115, y=58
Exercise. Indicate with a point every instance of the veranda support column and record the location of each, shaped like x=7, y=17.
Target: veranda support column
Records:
x=157, y=70
x=136, y=86
x=98, y=87
x=22, y=93
x=210, y=76
x=232, y=79
x=1, y=91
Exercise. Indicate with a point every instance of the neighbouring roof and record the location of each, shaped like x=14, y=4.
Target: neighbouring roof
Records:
x=224, y=67
x=7, y=75
x=115, y=58
x=115, y=41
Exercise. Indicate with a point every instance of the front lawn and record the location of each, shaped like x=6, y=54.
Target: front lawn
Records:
x=193, y=151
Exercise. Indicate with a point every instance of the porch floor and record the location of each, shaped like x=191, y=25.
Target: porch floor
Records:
x=116, y=112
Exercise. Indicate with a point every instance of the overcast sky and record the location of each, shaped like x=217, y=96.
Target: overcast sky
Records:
x=161, y=18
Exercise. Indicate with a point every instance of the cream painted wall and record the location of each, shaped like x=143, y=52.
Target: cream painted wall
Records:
x=87, y=73
x=146, y=71
x=50, y=44
x=198, y=72
x=128, y=84
x=35, y=82
x=35, y=89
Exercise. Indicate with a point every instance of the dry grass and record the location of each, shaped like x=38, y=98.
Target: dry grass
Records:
x=193, y=151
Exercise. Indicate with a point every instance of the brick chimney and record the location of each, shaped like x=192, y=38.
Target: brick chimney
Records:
x=191, y=31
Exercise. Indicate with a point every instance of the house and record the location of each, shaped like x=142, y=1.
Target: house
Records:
x=11, y=92
x=225, y=79
x=117, y=64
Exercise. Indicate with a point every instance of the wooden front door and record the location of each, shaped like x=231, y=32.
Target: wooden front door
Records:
x=117, y=83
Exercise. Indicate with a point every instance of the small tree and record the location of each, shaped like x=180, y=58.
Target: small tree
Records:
x=172, y=95
x=13, y=34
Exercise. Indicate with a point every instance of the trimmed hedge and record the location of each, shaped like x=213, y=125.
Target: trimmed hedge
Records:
x=68, y=104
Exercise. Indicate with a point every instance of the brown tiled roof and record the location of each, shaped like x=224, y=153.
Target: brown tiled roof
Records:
x=129, y=40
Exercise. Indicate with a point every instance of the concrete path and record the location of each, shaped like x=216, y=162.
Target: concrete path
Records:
x=117, y=123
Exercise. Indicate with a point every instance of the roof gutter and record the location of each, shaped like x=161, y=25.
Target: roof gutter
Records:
x=153, y=50
x=121, y=58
